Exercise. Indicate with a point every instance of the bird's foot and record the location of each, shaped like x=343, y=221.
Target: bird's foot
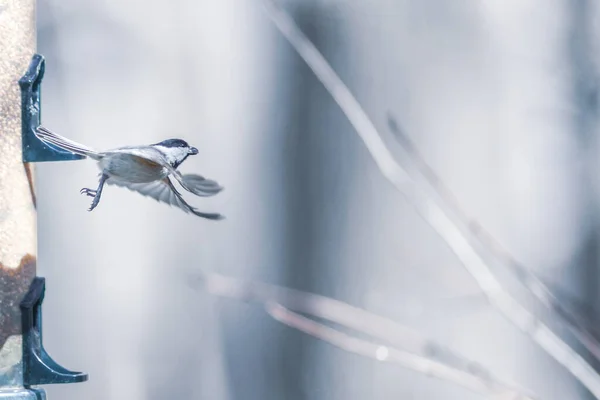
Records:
x=88, y=192
x=92, y=193
x=94, y=203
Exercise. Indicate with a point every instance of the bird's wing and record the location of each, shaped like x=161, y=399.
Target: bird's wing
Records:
x=196, y=184
x=164, y=191
x=199, y=185
x=148, y=153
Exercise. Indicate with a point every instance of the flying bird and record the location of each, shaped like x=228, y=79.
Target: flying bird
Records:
x=144, y=169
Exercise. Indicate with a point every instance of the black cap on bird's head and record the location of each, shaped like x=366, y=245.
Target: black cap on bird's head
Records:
x=175, y=150
x=174, y=143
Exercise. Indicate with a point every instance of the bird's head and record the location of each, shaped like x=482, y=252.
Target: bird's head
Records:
x=175, y=150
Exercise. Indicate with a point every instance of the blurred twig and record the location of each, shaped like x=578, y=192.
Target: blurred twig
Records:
x=435, y=214
x=389, y=354
x=419, y=354
x=575, y=322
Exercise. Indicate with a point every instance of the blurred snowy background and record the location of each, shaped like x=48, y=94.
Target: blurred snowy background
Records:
x=500, y=98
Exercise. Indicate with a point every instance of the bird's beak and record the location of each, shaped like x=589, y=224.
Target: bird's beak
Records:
x=193, y=151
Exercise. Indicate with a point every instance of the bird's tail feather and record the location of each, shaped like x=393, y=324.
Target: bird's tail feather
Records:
x=52, y=138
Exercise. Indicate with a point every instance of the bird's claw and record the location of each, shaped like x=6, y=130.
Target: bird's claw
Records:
x=88, y=192
x=94, y=204
x=92, y=193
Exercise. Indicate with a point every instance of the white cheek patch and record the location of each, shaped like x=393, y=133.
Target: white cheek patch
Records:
x=173, y=154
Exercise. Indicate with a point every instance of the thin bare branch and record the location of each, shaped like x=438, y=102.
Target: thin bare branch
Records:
x=576, y=323
x=433, y=213
x=390, y=354
x=415, y=347
x=340, y=313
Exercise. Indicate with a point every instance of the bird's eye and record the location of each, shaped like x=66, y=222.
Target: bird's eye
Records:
x=182, y=145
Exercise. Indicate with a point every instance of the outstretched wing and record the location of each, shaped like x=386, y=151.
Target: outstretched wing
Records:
x=199, y=185
x=196, y=184
x=164, y=191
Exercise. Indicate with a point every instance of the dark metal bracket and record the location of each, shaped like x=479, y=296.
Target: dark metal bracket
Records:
x=34, y=150
x=38, y=367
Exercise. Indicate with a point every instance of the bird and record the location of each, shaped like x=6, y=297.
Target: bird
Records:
x=144, y=169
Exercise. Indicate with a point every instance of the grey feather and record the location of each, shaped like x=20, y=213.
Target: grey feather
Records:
x=199, y=185
x=52, y=138
x=164, y=191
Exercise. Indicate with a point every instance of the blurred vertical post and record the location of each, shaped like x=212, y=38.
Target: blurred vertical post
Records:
x=17, y=198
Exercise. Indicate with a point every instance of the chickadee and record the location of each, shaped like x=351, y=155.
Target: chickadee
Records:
x=144, y=169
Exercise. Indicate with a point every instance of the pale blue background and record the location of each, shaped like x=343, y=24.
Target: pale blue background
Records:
x=499, y=96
